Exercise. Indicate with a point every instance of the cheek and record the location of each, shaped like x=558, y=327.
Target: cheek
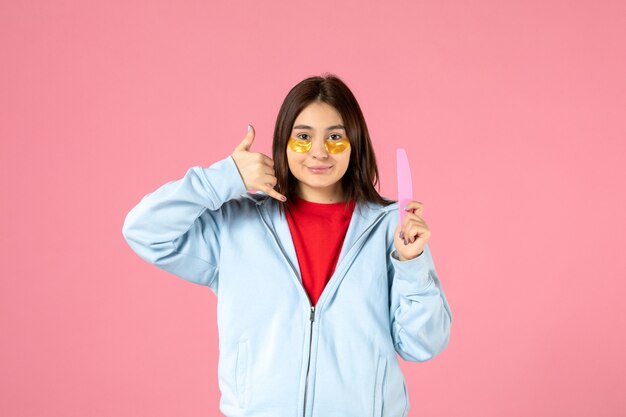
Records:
x=294, y=159
x=344, y=161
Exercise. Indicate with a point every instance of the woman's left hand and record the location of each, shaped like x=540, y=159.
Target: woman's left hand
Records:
x=412, y=237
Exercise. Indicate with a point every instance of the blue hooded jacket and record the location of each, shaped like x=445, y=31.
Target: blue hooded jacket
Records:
x=279, y=355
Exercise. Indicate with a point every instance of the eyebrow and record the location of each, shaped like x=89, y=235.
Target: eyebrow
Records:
x=328, y=128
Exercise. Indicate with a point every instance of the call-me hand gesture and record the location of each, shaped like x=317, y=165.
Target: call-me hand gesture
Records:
x=412, y=237
x=256, y=169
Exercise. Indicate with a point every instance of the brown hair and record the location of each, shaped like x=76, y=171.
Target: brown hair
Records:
x=362, y=174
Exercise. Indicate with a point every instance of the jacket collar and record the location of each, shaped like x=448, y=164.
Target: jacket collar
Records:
x=364, y=216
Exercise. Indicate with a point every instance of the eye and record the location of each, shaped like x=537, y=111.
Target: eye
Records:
x=300, y=136
x=335, y=137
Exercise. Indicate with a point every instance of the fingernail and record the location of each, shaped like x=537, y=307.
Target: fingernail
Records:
x=249, y=127
x=401, y=235
x=404, y=242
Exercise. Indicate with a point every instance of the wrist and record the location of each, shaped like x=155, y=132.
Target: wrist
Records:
x=403, y=259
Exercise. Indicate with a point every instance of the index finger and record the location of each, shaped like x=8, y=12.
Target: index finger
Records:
x=267, y=160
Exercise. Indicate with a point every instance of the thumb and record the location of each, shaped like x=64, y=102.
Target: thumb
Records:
x=247, y=140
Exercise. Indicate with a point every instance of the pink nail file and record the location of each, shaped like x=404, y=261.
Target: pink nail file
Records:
x=405, y=185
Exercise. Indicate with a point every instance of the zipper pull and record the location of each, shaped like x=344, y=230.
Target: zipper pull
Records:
x=312, y=313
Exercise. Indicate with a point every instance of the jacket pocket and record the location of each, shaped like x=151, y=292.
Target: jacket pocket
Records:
x=381, y=366
x=241, y=372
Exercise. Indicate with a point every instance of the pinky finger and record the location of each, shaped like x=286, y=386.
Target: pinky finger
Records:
x=273, y=193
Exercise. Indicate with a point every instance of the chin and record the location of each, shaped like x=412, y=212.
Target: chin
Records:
x=317, y=184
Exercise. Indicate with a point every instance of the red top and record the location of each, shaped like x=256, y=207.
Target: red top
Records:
x=318, y=231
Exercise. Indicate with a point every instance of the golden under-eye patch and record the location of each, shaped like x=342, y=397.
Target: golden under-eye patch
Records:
x=332, y=146
x=337, y=146
x=299, y=145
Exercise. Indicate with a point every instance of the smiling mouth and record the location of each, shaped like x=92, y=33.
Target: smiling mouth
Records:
x=319, y=170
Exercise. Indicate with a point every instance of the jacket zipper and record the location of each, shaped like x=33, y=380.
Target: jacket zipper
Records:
x=312, y=316
x=306, y=380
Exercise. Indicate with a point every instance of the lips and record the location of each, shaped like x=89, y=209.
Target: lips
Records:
x=320, y=169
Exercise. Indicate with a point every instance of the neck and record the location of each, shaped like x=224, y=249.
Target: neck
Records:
x=327, y=195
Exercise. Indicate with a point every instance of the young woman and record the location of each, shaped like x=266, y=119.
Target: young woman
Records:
x=317, y=285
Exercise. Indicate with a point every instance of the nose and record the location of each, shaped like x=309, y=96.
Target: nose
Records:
x=318, y=149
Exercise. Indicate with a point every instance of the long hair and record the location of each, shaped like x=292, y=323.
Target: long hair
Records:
x=361, y=177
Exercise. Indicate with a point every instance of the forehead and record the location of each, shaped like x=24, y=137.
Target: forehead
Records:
x=318, y=115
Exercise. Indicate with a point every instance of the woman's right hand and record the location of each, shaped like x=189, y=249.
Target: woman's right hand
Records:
x=256, y=169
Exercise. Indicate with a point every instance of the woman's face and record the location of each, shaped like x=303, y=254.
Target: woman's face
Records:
x=318, y=171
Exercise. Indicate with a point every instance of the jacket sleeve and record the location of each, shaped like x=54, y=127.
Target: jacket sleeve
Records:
x=419, y=312
x=177, y=226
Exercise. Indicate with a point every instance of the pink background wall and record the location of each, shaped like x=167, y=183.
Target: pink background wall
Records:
x=513, y=116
